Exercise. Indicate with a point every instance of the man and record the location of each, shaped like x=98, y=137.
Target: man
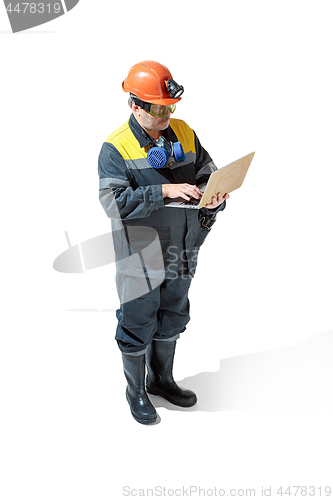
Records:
x=148, y=161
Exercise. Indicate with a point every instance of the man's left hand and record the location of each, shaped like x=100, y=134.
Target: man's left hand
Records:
x=216, y=201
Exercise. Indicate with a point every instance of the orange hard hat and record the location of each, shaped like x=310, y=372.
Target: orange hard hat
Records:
x=150, y=82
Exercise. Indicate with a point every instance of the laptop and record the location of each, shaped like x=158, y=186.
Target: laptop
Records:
x=224, y=180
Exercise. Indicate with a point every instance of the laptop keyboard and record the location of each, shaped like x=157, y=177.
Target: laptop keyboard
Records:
x=192, y=201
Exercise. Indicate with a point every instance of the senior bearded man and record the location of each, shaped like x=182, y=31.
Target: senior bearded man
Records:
x=148, y=161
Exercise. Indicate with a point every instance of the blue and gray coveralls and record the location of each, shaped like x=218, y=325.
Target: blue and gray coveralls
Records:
x=152, y=284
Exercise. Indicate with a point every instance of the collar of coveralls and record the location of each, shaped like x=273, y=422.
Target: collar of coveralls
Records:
x=141, y=135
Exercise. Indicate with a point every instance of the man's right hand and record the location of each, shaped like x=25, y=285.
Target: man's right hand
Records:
x=186, y=191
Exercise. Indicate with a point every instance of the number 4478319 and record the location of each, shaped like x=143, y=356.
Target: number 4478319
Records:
x=33, y=8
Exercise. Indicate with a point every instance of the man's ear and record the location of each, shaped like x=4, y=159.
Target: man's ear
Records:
x=136, y=109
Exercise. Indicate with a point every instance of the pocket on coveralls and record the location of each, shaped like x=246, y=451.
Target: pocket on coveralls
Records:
x=147, y=246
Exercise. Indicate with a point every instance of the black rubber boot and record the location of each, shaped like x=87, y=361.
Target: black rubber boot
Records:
x=160, y=382
x=142, y=409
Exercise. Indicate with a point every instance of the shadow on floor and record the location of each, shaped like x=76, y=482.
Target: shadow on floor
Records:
x=278, y=382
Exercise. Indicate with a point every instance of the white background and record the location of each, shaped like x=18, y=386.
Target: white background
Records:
x=257, y=77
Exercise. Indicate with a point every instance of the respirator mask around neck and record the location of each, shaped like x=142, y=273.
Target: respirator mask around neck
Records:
x=165, y=153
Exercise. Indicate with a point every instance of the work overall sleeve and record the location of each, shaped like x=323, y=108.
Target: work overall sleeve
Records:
x=119, y=195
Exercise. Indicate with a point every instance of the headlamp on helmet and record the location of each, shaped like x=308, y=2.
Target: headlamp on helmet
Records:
x=174, y=89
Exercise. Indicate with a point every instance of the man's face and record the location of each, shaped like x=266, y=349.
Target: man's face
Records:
x=149, y=122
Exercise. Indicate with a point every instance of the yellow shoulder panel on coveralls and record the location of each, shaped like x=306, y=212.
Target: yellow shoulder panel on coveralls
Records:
x=184, y=133
x=125, y=142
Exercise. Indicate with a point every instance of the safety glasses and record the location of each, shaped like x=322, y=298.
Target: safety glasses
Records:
x=154, y=109
x=160, y=111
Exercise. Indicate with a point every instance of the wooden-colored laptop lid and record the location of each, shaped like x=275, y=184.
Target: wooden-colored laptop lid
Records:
x=226, y=179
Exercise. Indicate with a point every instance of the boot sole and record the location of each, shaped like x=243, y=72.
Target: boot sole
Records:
x=172, y=401
x=145, y=422
x=142, y=420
